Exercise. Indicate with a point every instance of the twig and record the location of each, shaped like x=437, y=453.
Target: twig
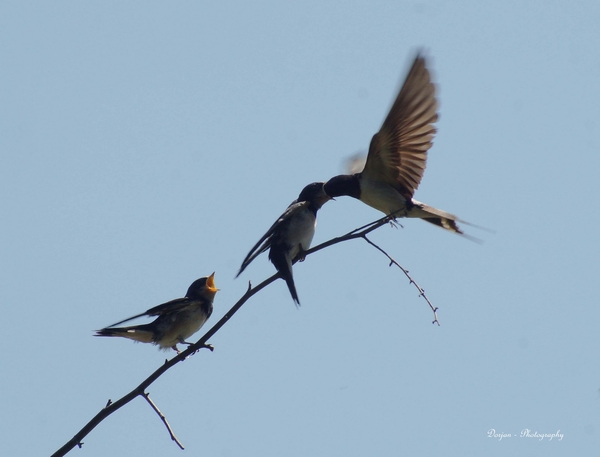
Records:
x=146, y=395
x=356, y=233
x=110, y=408
x=412, y=281
x=362, y=232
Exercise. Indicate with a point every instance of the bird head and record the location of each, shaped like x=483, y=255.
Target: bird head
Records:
x=315, y=194
x=203, y=288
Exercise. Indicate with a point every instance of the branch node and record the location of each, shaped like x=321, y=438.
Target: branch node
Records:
x=108, y=403
x=210, y=347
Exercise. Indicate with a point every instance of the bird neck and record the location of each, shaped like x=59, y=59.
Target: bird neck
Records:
x=343, y=185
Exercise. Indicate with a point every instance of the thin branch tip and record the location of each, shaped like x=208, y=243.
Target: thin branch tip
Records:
x=406, y=273
x=146, y=395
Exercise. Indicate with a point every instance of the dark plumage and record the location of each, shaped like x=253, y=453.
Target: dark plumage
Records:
x=291, y=234
x=177, y=319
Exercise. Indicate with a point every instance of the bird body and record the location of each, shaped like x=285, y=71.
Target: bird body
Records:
x=296, y=232
x=294, y=235
x=177, y=319
x=380, y=195
x=398, y=154
x=291, y=234
x=385, y=198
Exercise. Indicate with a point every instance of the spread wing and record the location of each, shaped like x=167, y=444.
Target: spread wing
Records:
x=398, y=152
x=265, y=242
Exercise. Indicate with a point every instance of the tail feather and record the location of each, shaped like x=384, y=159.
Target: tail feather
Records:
x=445, y=223
x=435, y=216
x=136, y=333
x=284, y=266
x=289, y=280
x=443, y=219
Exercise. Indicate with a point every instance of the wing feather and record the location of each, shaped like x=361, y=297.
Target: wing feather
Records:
x=163, y=309
x=265, y=242
x=398, y=152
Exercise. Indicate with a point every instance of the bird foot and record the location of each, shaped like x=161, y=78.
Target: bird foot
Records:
x=301, y=256
x=393, y=222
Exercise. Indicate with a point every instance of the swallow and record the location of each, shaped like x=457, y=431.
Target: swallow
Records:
x=398, y=154
x=177, y=319
x=291, y=234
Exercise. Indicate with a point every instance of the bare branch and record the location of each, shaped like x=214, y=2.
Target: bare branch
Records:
x=412, y=281
x=356, y=233
x=146, y=395
x=139, y=390
x=111, y=407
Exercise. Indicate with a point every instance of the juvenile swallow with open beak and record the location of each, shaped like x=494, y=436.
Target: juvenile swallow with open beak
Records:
x=291, y=234
x=398, y=154
x=177, y=319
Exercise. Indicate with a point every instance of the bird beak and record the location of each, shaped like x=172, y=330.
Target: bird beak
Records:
x=210, y=283
x=329, y=197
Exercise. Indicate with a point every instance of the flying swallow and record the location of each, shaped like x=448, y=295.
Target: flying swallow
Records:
x=177, y=319
x=398, y=154
x=291, y=234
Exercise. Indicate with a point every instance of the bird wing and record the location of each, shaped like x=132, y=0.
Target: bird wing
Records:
x=171, y=306
x=265, y=242
x=398, y=152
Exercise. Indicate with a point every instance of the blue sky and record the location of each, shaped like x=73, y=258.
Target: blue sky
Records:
x=146, y=144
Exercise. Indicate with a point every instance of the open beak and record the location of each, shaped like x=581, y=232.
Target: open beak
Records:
x=210, y=283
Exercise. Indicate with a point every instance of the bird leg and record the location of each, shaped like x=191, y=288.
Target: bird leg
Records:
x=391, y=218
x=394, y=223
x=301, y=254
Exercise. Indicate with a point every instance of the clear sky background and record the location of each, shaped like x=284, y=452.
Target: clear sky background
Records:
x=146, y=144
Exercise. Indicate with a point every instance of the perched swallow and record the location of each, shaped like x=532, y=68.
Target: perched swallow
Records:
x=291, y=234
x=398, y=154
x=177, y=319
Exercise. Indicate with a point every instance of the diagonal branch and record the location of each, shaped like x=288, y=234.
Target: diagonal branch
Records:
x=139, y=390
x=110, y=407
x=412, y=281
x=146, y=395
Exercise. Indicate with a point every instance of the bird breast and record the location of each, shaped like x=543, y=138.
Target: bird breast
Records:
x=381, y=196
x=183, y=325
x=301, y=232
